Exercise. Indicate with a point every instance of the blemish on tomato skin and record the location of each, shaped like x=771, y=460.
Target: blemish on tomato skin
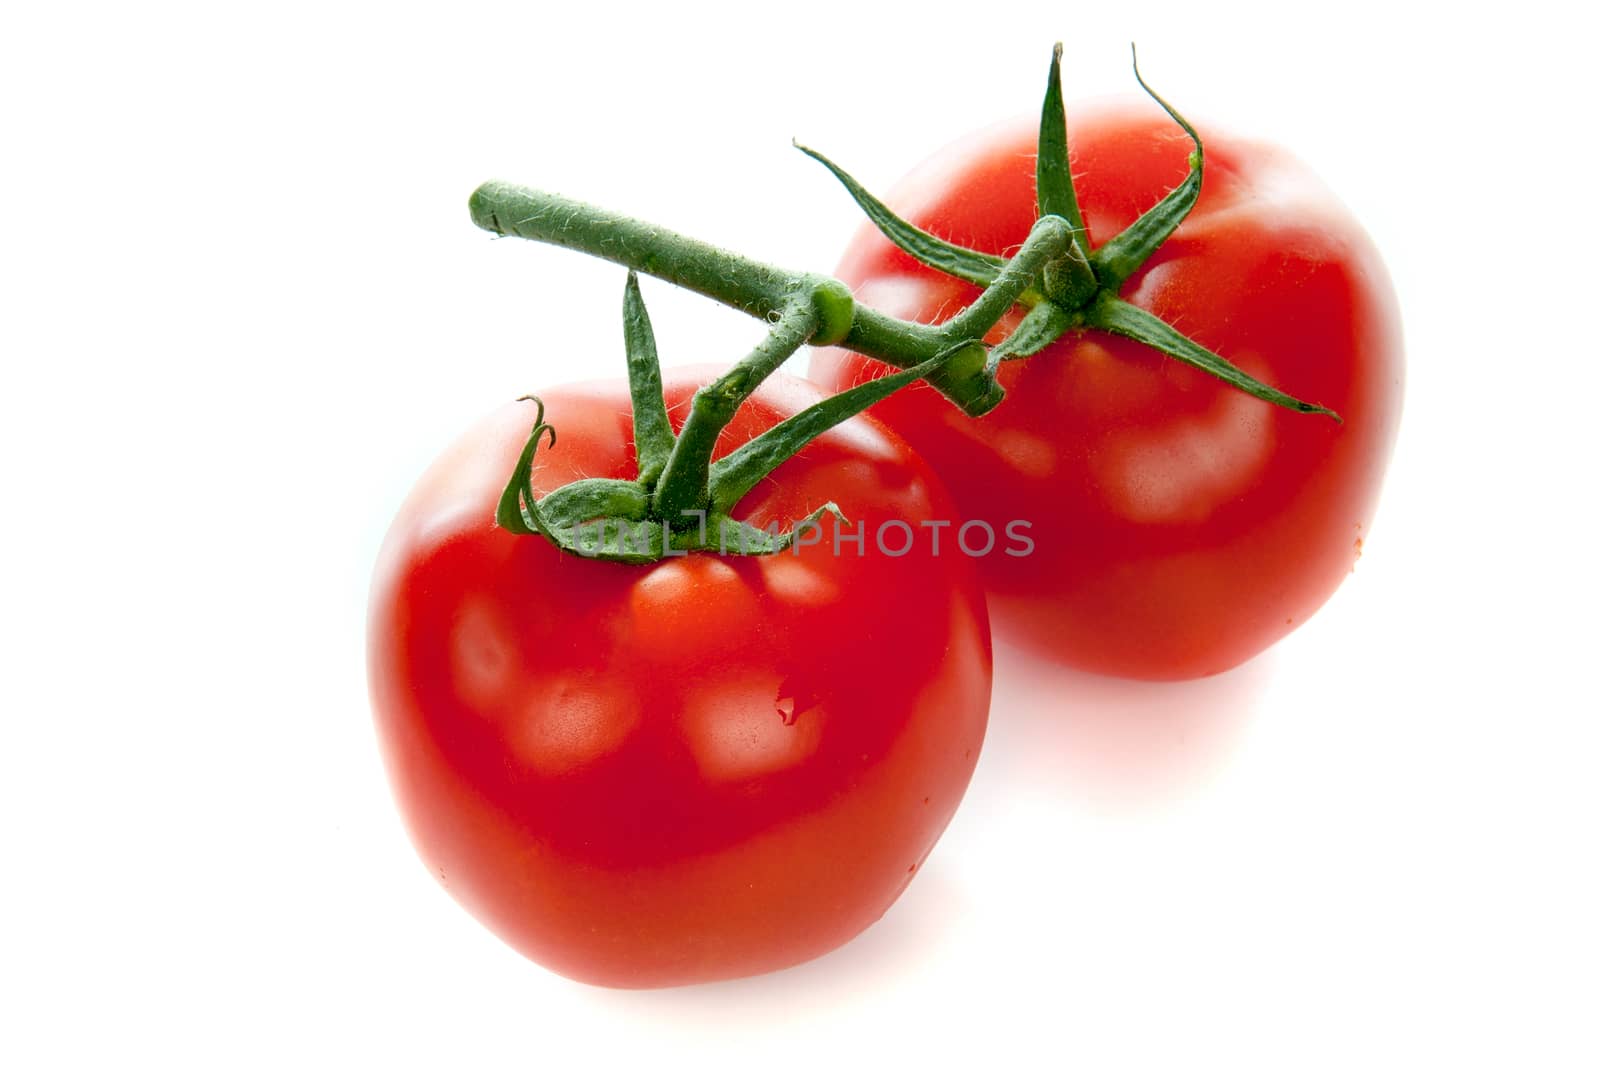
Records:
x=786, y=710
x=731, y=739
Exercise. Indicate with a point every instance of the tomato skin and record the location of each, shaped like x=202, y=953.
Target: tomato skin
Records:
x=1181, y=527
x=598, y=759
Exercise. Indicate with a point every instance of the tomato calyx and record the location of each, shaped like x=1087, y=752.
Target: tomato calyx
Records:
x=1081, y=291
x=682, y=500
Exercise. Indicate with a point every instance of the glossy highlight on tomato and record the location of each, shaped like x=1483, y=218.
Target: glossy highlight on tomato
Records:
x=1181, y=526
x=695, y=769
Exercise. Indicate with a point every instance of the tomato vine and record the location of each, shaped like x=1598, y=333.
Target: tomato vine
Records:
x=681, y=501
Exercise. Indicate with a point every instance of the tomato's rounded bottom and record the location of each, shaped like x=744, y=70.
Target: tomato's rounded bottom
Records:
x=1044, y=635
x=1193, y=626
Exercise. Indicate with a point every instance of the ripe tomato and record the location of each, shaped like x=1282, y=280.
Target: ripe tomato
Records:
x=1180, y=526
x=690, y=770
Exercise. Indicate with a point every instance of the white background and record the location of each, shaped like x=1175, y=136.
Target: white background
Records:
x=244, y=306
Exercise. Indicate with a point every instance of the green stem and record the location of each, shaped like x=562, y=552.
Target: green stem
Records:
x=683, y=491
x=736, y=474
x=904, y=345
x=758, y=289
x=755, y=288
x=1048, y=246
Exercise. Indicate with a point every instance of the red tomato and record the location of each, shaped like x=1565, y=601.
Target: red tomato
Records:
x=1180, y=526
x=697, y=769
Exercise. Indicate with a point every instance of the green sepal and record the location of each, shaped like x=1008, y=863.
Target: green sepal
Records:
x=1038, y=328
x=1052, y=171
x=1115, y=261
x=582, y=500
x=736, y=538
x=979, y=268
x=652, y=432
x=1117, y=316
x=511, y=513
x=619, y=541
x=605, y=519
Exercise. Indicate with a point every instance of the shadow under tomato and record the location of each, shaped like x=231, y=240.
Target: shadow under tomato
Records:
x=1110, y=742
x=1081, y=740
